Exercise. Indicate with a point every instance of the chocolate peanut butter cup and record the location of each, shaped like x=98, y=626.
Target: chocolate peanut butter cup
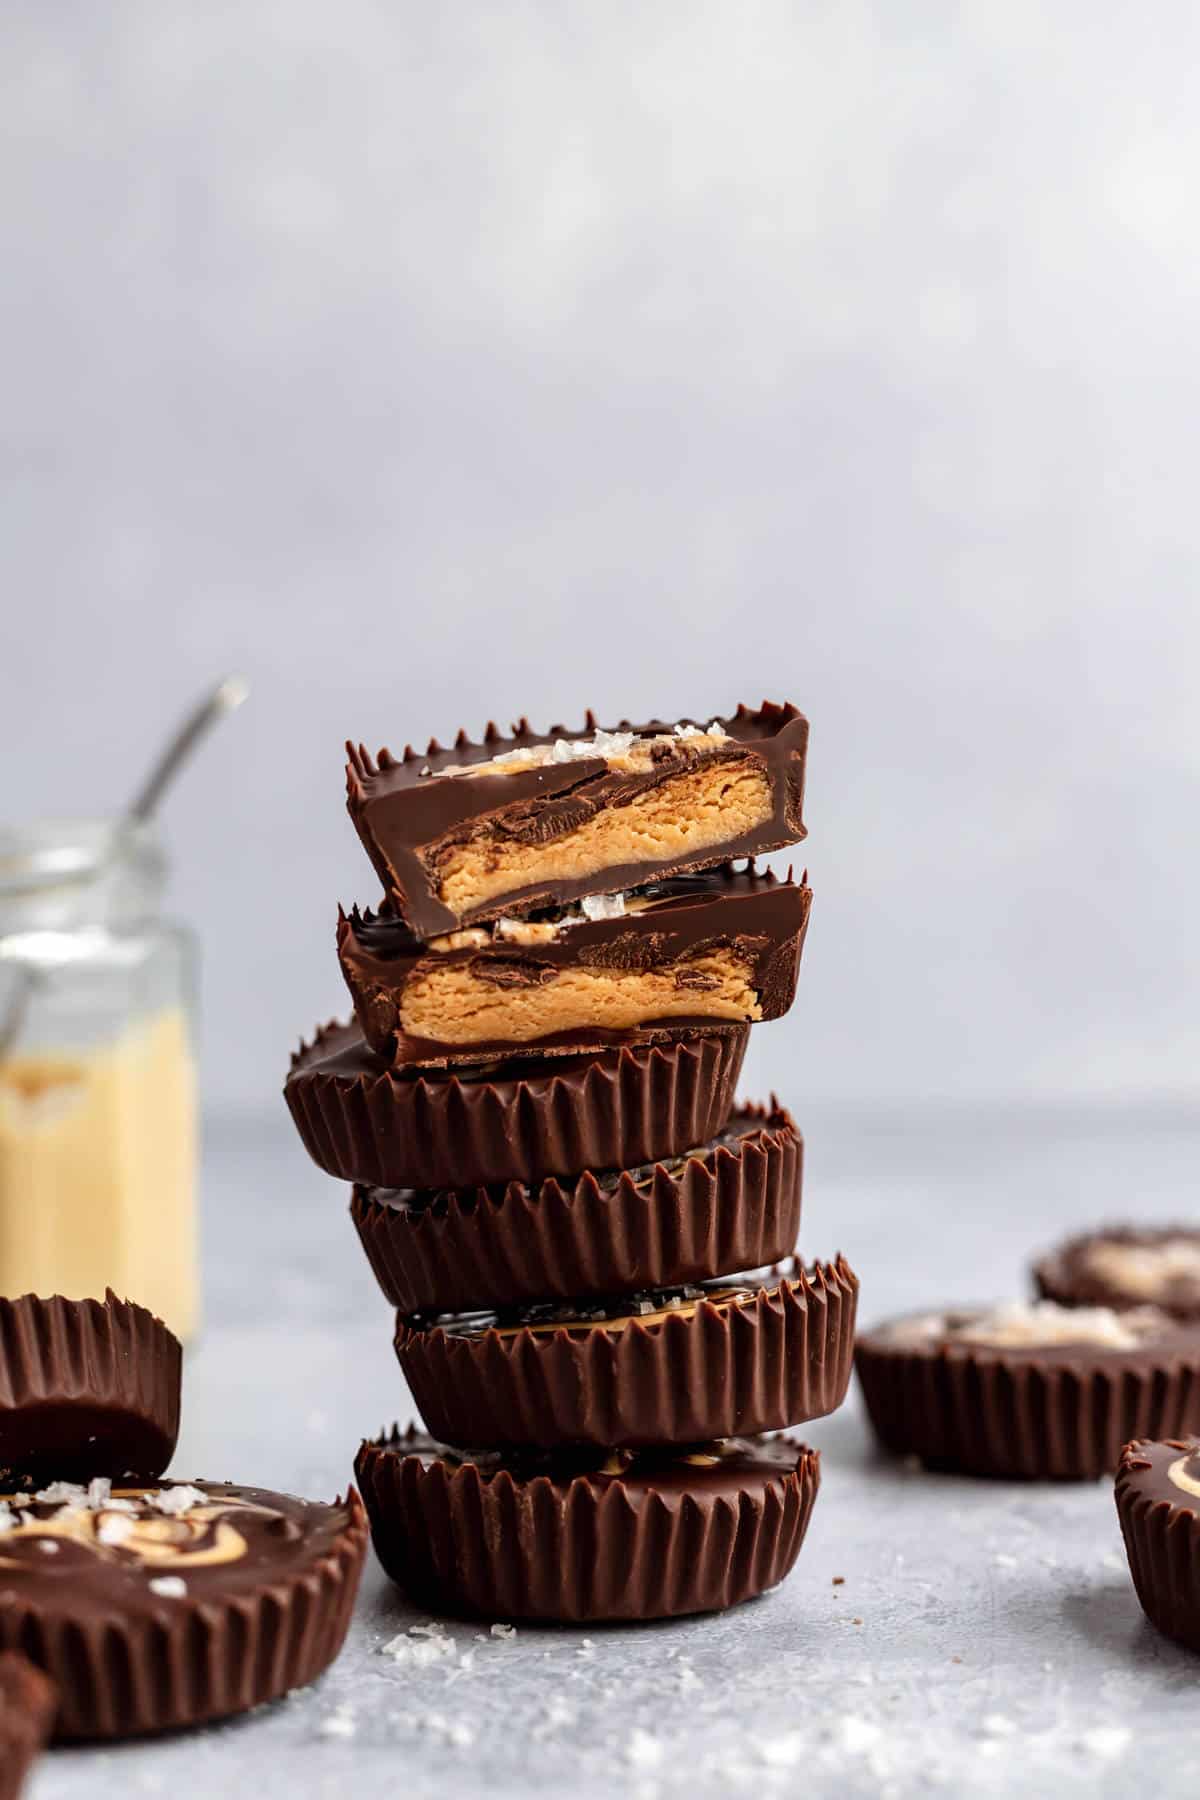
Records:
x=717, y=948
x=1158, y=1504
x=508, y=1121
x=480, y=830
x=1032, y=1392
x=732, y=1358
x=87, y=1387
x=617, y=1535
x=1126, y=1265
x=27, y=1707
x=155, y=1608
x=733, y=1203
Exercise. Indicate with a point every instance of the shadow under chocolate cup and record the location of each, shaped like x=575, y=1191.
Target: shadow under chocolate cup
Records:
x=1158, y=1504
x=733, y=1203
x=615, y=1536
x=87, y=1388
x=733, y=1358
x=508, y=1121
x=1049, y=1410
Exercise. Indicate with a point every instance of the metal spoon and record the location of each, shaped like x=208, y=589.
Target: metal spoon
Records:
x=225, y=698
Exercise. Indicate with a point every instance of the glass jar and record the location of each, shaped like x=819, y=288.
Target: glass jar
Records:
x=97, y=1072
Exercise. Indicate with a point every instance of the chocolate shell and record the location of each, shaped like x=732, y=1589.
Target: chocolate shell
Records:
x=197, y=1603
x=1160, y=1523
x=1070, y=1275
x=504, y=1122
x=734, y=1203
x=1051, y=1412
x=28, y=1703
x=409, y=813
x=573, y=1539
x=749, y=1354
x=87, y=1387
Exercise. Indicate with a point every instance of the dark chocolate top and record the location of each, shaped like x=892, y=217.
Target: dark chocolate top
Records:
x=1167, y=1471
x=403, y=807
x=1068, y=1335
x=648, y=1306
x=1126, y=1265
x=747, y=1122
x=70, y=1552
x=726, y=1467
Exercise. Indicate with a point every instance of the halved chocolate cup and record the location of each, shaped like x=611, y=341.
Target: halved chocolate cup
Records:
x=734, y=1203
x=741, y=1356
x=514, y=1121
x=617, y=1536
x=1126, y=1265
x=87, y=1387
x=1051, y=1411
x=156, y=1608
x=1158, y=1505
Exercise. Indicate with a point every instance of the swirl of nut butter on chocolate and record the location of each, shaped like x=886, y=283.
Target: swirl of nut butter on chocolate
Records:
x=1185, y=1472
x=146, y=1544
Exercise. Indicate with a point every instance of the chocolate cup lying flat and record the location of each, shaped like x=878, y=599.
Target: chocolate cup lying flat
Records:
x=518, y=1121
x=141, y=1636
x=749, y=1354
x=87, y=1387
x=1050, y=1413
x=732, y=1204
x=1066, y=1274
x=1160, y=1523
x=28, y=1702
x=572, y=1539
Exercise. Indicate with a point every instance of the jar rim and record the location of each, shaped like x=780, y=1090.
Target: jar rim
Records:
x=51, y=853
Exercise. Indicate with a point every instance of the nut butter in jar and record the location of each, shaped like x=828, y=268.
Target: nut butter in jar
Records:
x=97, y=1072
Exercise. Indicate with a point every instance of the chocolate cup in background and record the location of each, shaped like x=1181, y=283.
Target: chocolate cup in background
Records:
x=130, y=1662
x=87, y=1387
x=732, y=1204
x=557, y=1540
x=1051, y=1413
x=751, y=915
x=728, y=1368
x=1064, y=1274
x=28, y=1703
x=1161, y=1528
x=516, y=1121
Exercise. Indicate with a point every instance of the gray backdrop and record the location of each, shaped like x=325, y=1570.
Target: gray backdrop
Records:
x=436, y=362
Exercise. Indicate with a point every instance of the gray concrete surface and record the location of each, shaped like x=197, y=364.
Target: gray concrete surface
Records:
x=985, y=1641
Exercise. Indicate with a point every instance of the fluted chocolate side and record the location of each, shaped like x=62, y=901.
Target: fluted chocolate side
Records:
x=519, y=1121
x=27, y=1707
x=500, y=1545
x=195, y=1658
x=87, y=1387
x=735, y=1204
x=1062, y=1414
x=716, y=1370
x=1161, y=1529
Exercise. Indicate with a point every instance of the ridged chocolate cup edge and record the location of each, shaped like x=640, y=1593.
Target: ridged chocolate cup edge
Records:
x=503, y=1547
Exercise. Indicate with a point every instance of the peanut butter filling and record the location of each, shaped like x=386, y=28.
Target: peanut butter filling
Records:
x=683, y=1308
x=453, y=1005
x=128, y=1524
x=1178, y=1474
x=697, y=810
x=1017, y=1325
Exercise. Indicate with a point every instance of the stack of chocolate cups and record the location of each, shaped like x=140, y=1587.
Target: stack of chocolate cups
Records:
x=535, y=1104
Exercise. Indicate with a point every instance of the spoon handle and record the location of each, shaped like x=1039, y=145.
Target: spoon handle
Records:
x=224, y=699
